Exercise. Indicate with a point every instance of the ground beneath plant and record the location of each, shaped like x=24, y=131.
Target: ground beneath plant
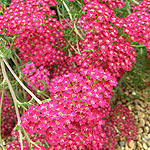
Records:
x=140, y=108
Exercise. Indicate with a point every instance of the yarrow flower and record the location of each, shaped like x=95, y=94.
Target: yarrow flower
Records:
x=111, y=4
x=58, y=126
x=39, y=32
x=24, y=16
x=36, y=76
x=143, y=6
x=80, y=86
x=94, y=10
x=103, y=47
x=8, y=116
x=90, y=88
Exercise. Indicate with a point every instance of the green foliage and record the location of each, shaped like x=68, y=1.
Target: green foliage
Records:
x=4, y=51
x=6, y=2
x=138, y=71
x=123, y=12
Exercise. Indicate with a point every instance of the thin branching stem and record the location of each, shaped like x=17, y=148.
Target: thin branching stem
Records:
x=72, y=20
x=15, y=76
x=118, y=86
x=2, y=96
x=138, y=45
x=14, y=99
x=59, y=14
x=135, y=2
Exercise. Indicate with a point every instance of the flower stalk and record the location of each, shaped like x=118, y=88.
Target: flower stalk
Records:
x=37, y=100
x=14, y=99
x=2, y=96
x=135, y=2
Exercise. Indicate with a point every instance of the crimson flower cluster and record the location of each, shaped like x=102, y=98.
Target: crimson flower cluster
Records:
x=143, y=6
x=93, y=87
x=59, y=126
x=79, y=115
x=40, y=34
x=36, y=75
x=136, y=25
x=108, y=50
x=8, y=116
x=110, y=3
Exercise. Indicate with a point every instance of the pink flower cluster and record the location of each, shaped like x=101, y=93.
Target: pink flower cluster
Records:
x=143, y=6
x=36, y=75
x=108, y=50
x=140, y=21
x=61, y=128
x=110, y=3
x=92, y=87
x=136, y=25
x=94, y=11
x=8, y=116
x=22, y=16
x=81, y=85
x=40, y=34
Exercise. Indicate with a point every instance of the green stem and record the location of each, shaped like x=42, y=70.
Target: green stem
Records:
x=45, y=95
x=29, y=81
x=29, y=141
x=16, y=63
x=2, y=36
x=2, y=96
x=129, y=11
x=72, y=20
x=141, y=51
x=17, y=56
x=135, y=2
x=58, y=14
x=14, y=38
x=20, y=104
x=38, y=101
x=118, y=86
x=14, y=99
x=79, y=4
x=19, y=70
x=68, y=10
x=138, y=45
x=73, y=47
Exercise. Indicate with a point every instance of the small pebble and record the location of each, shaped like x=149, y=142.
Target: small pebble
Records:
x=140, y=130
x=146, y=129
x=144, y=139
x=119, y=102
x=132, y=144
x=141, y=114
x=147, y=123
x=148, y=118
x=121, y=143
x=145, y=136
x=135, y=112
x=133, y=93
x=145, y=146
x=139, y=144
x=141, y=103
x=148, y=143
x=138, y=108
x=133, y=102
x=148, y=136
x=141, y=122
